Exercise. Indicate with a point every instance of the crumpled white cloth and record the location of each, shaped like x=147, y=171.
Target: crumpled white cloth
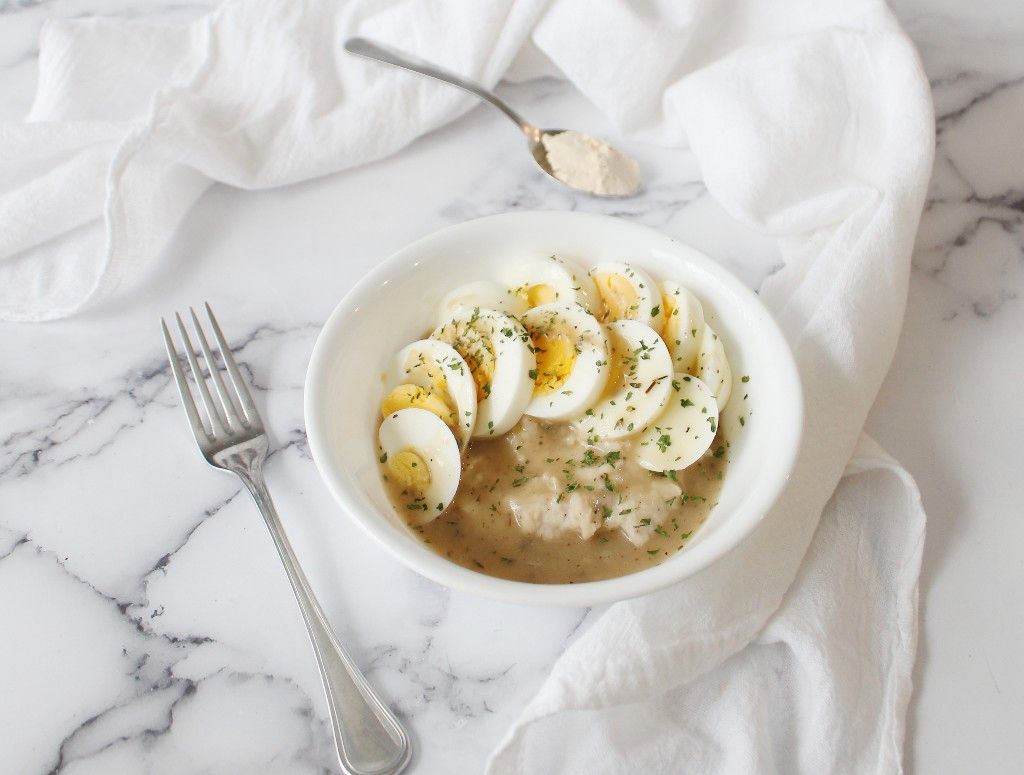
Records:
x=811, y=121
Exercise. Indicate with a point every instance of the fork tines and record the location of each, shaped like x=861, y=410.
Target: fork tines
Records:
x=234, y=411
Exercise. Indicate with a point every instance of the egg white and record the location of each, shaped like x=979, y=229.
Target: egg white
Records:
x=510, y=388
x=639, y=391
x=713, y=366
x=684, y=431
x=481, y=294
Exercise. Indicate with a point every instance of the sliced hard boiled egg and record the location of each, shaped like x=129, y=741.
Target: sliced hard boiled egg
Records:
x=639, y=384
x=713, y=366
x=496, y=348
x=436, y=367
x=627, y=293
x=572, y=352
x=551, y=280
x=684, y=431
x=483, y=294
x=683, y=326
x=422, y=459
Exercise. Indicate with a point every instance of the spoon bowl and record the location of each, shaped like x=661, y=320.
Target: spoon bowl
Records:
x=540, y=153
x=535, y=142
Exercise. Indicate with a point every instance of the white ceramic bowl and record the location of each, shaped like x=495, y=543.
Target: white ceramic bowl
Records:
x=396, y=303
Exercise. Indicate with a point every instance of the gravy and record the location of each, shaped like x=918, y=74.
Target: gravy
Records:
x=544, y=504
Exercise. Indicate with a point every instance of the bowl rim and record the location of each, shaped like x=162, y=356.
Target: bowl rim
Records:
x=433, y=566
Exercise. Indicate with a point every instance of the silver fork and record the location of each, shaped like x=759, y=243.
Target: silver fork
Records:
x=230, y=434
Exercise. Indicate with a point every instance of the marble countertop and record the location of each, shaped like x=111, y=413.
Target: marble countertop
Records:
x=146, y=623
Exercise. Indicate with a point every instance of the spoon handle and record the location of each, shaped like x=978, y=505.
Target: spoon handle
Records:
x=367, y=48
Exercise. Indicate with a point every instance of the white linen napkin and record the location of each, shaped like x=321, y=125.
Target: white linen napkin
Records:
x=810, y=119
x=823, y=138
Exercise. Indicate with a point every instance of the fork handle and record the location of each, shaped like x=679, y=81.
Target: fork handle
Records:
x=370, y=740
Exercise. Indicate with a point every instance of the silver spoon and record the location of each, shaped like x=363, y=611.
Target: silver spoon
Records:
x=534, y=136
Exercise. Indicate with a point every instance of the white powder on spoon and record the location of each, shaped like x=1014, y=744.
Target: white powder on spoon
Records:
x=589, y=164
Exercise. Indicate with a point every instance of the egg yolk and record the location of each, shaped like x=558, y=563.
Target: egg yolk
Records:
x=416, y=397
x=476, y=349
x=556, y=355
x=670, y=310
x=622, y=367
x=483, y=375
x=535, y=295
x=541, y=294
x=410, y=472
x=618, y=295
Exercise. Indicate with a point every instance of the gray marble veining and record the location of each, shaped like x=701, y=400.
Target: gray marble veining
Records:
x=147, y=625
